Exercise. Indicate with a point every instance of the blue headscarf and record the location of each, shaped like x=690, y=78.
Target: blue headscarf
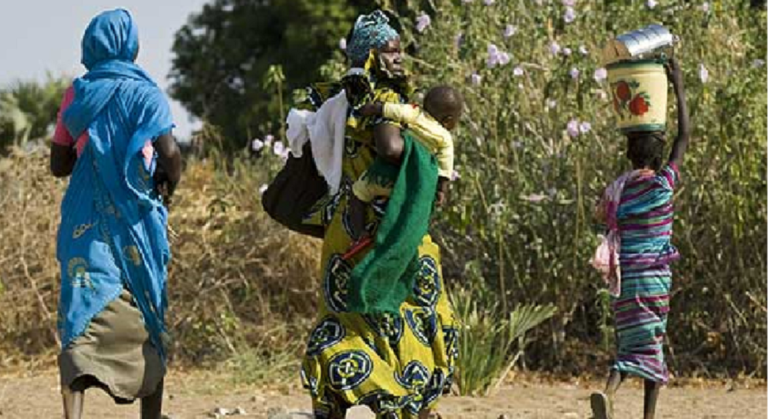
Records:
x=113, y=228
x=370, y=32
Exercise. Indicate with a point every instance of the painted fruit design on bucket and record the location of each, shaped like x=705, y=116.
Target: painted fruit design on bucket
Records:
x=628, y=101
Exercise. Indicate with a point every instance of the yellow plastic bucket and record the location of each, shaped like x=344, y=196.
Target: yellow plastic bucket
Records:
x=639, y=90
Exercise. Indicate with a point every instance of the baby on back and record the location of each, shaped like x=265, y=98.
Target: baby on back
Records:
x=431, y=126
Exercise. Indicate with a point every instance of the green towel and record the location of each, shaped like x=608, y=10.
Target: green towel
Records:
x=384, y=278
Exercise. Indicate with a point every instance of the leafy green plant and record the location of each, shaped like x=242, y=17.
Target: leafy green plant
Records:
x=491, y=342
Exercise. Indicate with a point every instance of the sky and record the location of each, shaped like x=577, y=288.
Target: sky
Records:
x=41, y=36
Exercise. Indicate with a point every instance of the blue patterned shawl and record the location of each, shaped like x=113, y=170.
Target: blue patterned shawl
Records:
x=113, y=224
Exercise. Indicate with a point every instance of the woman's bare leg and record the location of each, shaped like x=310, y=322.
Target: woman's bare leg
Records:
x=614, y=381
x=602, y=403
x=651, y=396
x=73, y=403
x=152, y=405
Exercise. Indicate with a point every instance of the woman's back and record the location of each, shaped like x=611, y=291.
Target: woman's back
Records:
x=645, y=217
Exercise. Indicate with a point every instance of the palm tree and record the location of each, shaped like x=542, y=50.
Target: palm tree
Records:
x=28, y=110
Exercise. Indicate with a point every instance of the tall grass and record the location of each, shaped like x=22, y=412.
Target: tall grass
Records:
x=240, y=286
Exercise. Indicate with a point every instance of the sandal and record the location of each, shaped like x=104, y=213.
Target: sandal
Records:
x=601, y=406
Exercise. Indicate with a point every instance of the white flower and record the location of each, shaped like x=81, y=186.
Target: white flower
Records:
x=570, y=15
x=489, y=2
x=496, y=57
x=257, y=144
x=574, y=73
x=517, y=144
x=493, y=56
x=569, y=3
x=503, y=58
x=551, y=103
x=476, y=79
x=567, y=52
x=263, y=189
x=650, y=4
x=520, y=86
x=705, y=7
x=573, y=128
x=422, y=22
x=343, y=44
x=600, y=74
x=509, y=31
x=583, y=50
x=268, y=140
x=455, y=176
x=758, y=63
x=279, y=148
x=585, y=127
x=703, y=73
x=554, y=48
x=518, y=71
x=602, y=95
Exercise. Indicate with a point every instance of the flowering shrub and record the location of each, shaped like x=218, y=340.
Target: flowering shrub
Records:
x=538, y=144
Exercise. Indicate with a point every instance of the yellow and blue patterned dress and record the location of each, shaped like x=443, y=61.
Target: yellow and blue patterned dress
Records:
x=397, y=365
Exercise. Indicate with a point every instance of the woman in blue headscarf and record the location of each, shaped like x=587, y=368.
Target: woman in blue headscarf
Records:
x=114, y=138
x=397, y=362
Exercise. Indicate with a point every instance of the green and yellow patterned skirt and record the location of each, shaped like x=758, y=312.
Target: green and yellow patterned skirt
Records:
x=396, y=365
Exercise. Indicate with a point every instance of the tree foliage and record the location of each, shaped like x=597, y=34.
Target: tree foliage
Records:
x=222, y=54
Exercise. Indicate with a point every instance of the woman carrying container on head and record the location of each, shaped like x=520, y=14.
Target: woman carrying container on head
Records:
x=637, y=208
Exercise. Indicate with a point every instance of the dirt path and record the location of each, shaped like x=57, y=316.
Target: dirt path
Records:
x=197, y=395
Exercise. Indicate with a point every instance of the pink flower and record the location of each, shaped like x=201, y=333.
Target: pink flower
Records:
x=455, y=176
x=650, y=4
x=554, y=48
x=585, y=127
x=570, y=15
x=567, y=51
x=493, y=56
x=257, y=144
x=600, y=74
x=573, y=128
x=518, y=71
x=574, y=73
x=569, y=3
x=343, y=44
x=422, y=22
x=504, y=58
x=268, y=139
x=496, y=57
x=476, y=79
x=704, y=7
x=509, y=31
